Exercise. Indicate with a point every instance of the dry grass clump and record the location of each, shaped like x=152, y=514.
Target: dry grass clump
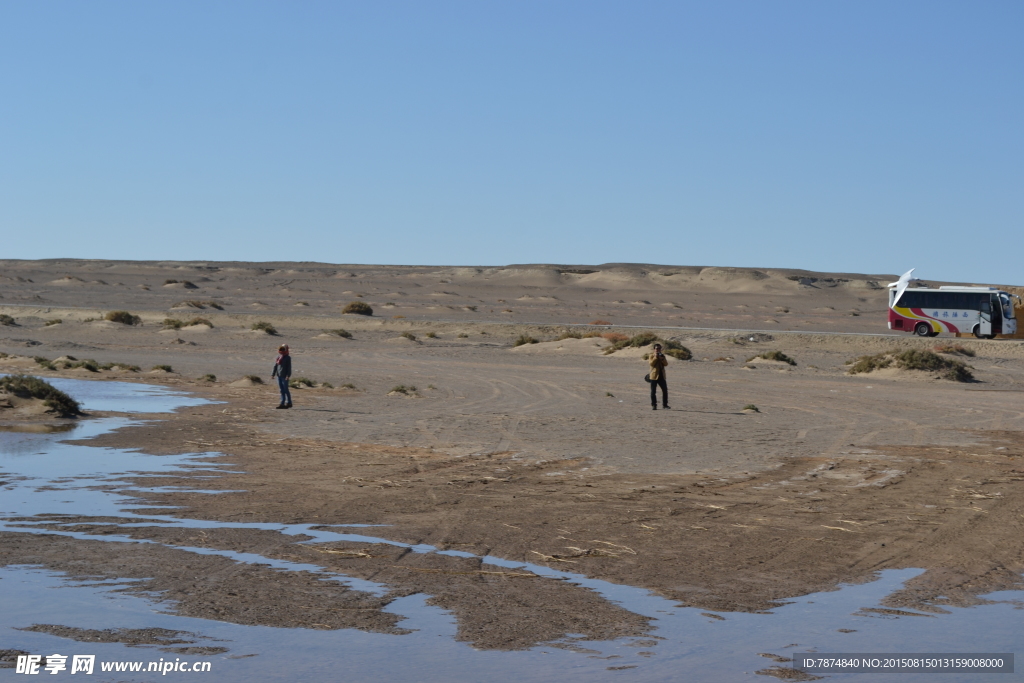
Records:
x=263, y=326
x=671, y=348
x=208, y=377
x=6, y=319
x=173, y=324
x=358, y=308
x=524, y=339
x=914, y=359
x=298, y=382
x=403, y=389
x=123, y=317
x=55, y=321
x=255, y=379
x=773, y=355
x=409, y=335
x=26, y=386
x=199, y=321
x=600, y=322
x=751, y=406
x=163, y=368
x=431, y=335
x=192, y=303
x=955, y=349
x=615, y=337
x=344, y=334
x=569, y=334
x=349, y=385
x=185, y=283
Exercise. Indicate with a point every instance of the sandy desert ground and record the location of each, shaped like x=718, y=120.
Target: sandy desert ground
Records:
x=545, y=452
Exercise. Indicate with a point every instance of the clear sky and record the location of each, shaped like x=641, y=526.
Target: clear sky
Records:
x=845, y=136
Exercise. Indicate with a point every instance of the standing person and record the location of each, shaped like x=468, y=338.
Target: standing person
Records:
x=657, y=361
x=283, y=372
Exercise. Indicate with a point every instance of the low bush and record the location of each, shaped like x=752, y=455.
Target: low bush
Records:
x=751, y=406
x=462, y=335
x=199, y=321
x=44, y=363
x=55, y=321
x=185, y=283
x=349, y=385
x=773, y=355
x=208, y=377
x=614, y=337
x=670, y=348
x=409, y=335
x=524, y=339
x=326, y=385
x=165, y=368
x=345, y=334
x=255, y=379
x=569, y=334
x=262, y=326
x=957, y=349
x=431, y=335
x=357, y=308
x=470, y=308
x=914, y=359
x=297, y=382
x=6, y=319
x=402, y=389
x=26, y=386
x=122, y=366
x=123, y=317
x=173, y=324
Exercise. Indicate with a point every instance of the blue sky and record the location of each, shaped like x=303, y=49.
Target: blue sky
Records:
x=858, y=137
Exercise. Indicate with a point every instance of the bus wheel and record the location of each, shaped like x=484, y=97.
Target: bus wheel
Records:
x=977, y=332
x=923, y=330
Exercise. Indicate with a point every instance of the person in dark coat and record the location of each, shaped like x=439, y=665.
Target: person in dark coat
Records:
x=283, y=373
x=658, y=363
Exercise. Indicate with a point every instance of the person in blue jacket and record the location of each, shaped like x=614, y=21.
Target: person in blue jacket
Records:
x=283, y=373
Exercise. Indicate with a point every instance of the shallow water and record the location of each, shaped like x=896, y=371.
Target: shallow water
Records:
x=45, y=476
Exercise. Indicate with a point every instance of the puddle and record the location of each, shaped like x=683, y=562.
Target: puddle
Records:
x=41, y=475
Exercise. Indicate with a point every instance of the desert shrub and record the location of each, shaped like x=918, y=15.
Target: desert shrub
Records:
x=123, y=317
x=470, y=308
x=600, y=322
x=122, y=366
x=569, y=334
x=297, y=382
x=957, y=349
x=90, y=365
x=402, y=389
x=6, y=319
x=671, y=348
x=264, y=327
x=462, y=335
x=773, y=355
x=614, y=337
x=165, y=368
x=431, y=335
x=208, y=377
x=4, y=355
x=390, y=303
x=255, y=379
x=173, y=324
x=44, y=362
x=55, y=321
x=326, y=385
x=409, y=335
x=26, y=386
x=192, y=303
x=591, y=335
x=610, y=394
x=358, y=308
x=524, y=339
x=199, y=321
x=914, y=359
x=339, y=332
x=751, y=406
x=184, y=283
x=88, y=320
x=431, y=386
x=349, y=385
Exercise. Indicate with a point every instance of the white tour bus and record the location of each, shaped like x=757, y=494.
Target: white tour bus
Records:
x=981, y=311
